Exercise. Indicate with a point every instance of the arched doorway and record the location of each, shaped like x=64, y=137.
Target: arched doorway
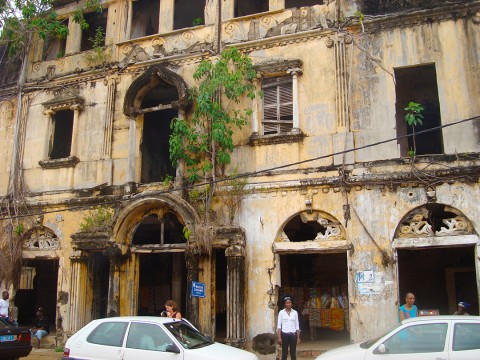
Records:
x=313, y=256
x=436, y=247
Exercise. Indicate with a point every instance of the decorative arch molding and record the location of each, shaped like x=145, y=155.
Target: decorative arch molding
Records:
x=330, y=234
x=150, y=79
x=130, y=216
x=434, y=224
x=40, y=238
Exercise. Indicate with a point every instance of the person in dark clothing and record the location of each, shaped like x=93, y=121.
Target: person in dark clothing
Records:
x=41, y=326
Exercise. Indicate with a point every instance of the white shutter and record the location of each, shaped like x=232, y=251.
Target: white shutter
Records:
x=277, y=105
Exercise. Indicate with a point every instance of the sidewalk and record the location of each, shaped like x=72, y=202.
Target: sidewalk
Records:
x=44, y=354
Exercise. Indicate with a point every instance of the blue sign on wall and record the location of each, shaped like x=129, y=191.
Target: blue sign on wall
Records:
x=198, y=289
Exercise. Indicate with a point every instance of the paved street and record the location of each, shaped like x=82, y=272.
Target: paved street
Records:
x=44, y=354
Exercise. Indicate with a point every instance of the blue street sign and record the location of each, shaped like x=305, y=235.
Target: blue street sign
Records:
x=198, y=289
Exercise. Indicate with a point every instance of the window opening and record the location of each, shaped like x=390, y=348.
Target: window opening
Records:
x=54, y=48
x=300, y=3
x=108, y=333
x=145, y=18
x=159, y=230
x=419, y=84
x=62, y=134
x=250, y=7
x=188, y=13
x=277, y=105
x=96, y=20
x=221, y=296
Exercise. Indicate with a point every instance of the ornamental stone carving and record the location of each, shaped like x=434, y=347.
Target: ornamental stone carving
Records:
x=433, y=220
x=40, y=238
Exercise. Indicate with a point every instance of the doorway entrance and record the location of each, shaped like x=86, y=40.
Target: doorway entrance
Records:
x=162, y=277
x=38, y=288
x=220, y=295
x=318, y=285
x=439, y=278
x=99, y=267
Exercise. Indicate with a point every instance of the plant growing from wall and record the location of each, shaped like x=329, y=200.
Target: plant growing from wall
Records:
x=233, y=193
x=206, y=142
x=100, y=53
x=413, y=117
x=96, y=220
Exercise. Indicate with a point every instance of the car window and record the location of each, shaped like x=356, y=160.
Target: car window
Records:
x=108, y=333
x=147, y=337
x=188, y=336
x=421, y=338
x=466, y=337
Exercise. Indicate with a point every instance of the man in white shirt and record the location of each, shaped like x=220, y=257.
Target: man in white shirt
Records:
x=5, y=315
x=288, y=330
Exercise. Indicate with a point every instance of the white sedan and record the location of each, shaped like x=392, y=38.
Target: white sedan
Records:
x=146, y=338
x=421, y=338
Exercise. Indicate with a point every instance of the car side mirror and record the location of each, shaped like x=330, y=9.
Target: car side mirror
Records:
x=173, y=349
x=382, y=349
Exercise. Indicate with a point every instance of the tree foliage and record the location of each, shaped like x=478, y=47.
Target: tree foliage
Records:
x=206, y=142
x=22, y=20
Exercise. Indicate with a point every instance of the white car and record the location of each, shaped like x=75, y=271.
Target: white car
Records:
x=145, y=338
x=421, y=338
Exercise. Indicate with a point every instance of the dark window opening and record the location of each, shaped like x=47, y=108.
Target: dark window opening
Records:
x=418, y=84
x=296, y=230
x=159, y=230
x=277, y=105
x=62, y=134
x=381, y=7
x=95, y=21
x=188, y=13
x=250, y=7
x=145, y=18
x=300, y=3
x=54, y=48
x=156, y=164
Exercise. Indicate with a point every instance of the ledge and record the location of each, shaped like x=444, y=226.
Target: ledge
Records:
x=91, y=241
x=70, y=161
x=289, y=137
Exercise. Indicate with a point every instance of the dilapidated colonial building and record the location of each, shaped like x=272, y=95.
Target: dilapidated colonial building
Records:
x=346, y=206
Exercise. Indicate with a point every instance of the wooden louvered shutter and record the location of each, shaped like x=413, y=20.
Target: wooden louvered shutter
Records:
x=277, y=105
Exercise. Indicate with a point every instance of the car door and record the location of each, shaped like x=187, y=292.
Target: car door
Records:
x=148, y=341
x=103, y=343
x=414, y=342
x=466, y=340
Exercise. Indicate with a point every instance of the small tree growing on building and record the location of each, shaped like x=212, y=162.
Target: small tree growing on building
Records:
x=413, y=117
x=206, y=142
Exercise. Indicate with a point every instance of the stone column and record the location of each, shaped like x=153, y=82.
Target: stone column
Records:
x=165, y=21
x=296, y=115
x=276, y=5
x=76, y=111
x=255, y=107
x=49, y=113
x=192, y=275
x=131, y=150
x=235, y=254
x=78, y=292
x=74, y=38
x=113, y=306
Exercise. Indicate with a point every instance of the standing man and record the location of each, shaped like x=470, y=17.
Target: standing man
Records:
x=5, y=314
x=288, y=330
x=41, y=326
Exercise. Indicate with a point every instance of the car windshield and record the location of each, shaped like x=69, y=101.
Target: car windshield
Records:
x=369, y=343
x=186, y=335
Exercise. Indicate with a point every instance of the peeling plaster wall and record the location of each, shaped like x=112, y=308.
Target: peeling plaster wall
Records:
x=7, y=125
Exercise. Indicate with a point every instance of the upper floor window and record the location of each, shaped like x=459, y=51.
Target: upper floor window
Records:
x=418, y=84
x=300, y=3
x=188, y=13
x=62, y=134
x=145, y=18
x=277, y=105
x=97, y=23
x=54, y=48
x=249, y=7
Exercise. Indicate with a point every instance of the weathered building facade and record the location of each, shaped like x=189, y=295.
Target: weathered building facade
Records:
x=341, y=200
